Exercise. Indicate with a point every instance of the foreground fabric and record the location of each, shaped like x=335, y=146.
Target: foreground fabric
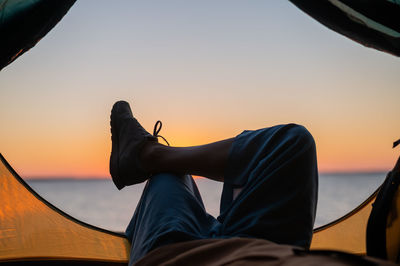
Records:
x=276, y=170
x=23, y=23
x=373, y=23
x=245, y=251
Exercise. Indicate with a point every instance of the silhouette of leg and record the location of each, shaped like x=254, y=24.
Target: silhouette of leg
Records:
x=206, y=160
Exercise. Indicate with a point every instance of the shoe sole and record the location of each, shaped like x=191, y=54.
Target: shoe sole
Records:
x=114, y=158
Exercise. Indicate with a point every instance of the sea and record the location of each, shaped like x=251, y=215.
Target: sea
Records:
x=98, y=202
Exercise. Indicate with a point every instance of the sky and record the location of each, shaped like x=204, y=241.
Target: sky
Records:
x=208, y=70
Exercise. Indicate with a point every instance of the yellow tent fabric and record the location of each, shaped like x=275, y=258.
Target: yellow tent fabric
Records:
x=33, y=229
x=347, y=233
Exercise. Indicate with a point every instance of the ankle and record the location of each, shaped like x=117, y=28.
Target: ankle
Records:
x=150, y=156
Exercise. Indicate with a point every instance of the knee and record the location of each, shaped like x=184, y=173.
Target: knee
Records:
x=300, y=135
x=295, y=138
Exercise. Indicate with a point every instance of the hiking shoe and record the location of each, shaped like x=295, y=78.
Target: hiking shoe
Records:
x=128, y=138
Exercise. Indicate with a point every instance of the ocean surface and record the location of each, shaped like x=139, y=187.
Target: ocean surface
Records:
x=99, y=203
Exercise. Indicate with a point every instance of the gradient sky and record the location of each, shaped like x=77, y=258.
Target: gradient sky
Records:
x=208, y=70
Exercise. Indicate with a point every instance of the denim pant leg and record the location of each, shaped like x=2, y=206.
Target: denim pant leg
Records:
x=169, y=211
x=277, y=170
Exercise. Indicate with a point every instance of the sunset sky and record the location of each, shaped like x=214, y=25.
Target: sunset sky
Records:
x=208, y=70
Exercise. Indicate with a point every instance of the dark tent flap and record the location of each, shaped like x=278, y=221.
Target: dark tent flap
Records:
x=373, y=23
x=24, y=22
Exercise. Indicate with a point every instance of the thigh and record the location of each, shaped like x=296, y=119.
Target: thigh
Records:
x=277, y=171
x=169, y=211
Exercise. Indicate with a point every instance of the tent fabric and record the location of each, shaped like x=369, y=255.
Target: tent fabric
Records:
x=346, y=233
x=33, y=229
x=373, y=23
x=24, y=22
x=372, y=228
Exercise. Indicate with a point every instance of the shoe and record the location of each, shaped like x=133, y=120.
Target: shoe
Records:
x=128, y=138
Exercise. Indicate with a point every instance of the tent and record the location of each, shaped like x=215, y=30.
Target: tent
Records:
x=33, y=230
x=24, y=22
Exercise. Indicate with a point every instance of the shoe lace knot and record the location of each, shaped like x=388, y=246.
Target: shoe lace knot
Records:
x=157, y=129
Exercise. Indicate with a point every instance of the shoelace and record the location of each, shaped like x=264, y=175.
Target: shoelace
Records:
x=157, y=129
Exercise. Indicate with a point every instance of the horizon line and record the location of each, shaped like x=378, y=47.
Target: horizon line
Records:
x=64, y=177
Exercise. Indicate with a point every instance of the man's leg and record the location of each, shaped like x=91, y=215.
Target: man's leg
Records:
x=169, y=211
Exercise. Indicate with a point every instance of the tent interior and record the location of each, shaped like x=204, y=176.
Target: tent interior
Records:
x=33, y=230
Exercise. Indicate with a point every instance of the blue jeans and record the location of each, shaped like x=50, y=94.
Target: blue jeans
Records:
x=276, y=169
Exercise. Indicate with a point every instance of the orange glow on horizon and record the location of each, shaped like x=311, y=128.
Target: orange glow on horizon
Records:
x=88, y=157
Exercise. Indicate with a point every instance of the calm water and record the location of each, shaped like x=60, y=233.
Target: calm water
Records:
x=99, y=203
